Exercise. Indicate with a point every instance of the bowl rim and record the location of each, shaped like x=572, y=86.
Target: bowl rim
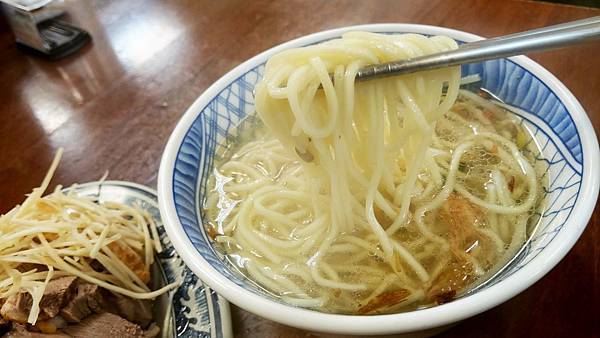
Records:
x=391, y=323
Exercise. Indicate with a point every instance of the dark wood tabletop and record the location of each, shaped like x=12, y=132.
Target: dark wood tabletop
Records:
x=113, y=105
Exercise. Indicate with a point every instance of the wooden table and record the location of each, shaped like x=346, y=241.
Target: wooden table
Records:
x=113, y=105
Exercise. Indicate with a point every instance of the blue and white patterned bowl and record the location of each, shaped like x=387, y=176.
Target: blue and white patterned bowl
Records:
x=544, y=104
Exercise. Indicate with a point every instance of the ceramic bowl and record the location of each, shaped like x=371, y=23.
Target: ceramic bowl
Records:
x=541, y=102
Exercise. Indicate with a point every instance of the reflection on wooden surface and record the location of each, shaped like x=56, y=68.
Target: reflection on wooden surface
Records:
x=113, y=105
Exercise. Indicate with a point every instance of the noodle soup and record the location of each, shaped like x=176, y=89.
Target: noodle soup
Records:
x=480, y=242
x=375, y=197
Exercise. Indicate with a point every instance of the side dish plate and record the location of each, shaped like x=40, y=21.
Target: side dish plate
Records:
x=193, y=309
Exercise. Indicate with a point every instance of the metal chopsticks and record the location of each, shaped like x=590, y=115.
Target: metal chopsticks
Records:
x=541, y=39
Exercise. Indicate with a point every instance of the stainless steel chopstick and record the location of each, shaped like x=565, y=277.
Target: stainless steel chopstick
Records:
x=547, y=29
x=514, y=44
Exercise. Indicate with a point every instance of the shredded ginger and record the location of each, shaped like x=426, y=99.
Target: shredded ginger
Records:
x=63, y=234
